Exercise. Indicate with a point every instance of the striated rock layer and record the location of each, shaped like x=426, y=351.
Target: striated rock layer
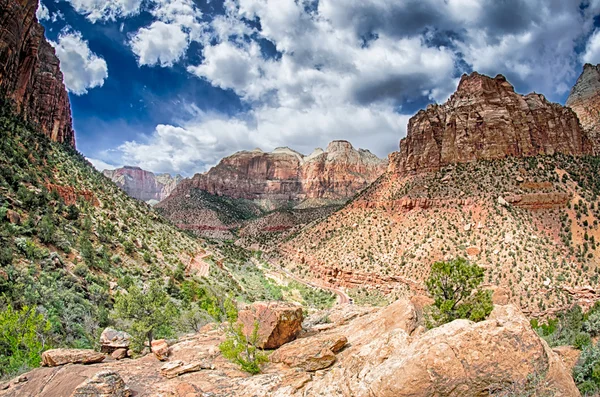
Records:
x=143, y=185
x=286, y=175
x=30, y=71
x=584, y=99
x=483, y=120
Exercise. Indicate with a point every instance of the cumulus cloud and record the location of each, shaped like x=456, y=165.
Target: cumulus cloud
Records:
x=82, y=69
x=592, y=49
x=106, y=10
x=101, y=165
x=42, y=12
x=165, y=41
x=201, y=143
x=160, y=43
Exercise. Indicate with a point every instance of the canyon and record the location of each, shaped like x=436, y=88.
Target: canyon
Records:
x=248, y=184
x=30, y=74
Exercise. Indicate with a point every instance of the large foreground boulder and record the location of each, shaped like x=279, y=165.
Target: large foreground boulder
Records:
x=56, y=357
x=278, y=323
x=461, y=358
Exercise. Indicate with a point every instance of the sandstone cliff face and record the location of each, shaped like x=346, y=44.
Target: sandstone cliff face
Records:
x=30, y=72
x=486, y=119
x=143, y=185
x=584, y=99
x=286, y=175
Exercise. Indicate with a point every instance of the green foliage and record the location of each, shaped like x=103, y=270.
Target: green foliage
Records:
x=563, y=329
x=23, y=335
x=243, y=350
x=146, y=312
x=582, y=340
x=587, y=371
x=451, y=284
x=47, y=229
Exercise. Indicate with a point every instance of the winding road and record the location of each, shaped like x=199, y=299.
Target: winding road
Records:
x=342, y=297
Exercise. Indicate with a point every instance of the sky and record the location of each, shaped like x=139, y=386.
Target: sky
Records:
x=176, y=85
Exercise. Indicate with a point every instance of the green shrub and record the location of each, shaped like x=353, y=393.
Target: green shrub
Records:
x=592, y=324
x=587, y=371
x=582, y=340
x=22, y=339
x=147, y=312
x=451, y=284
x=243, y=350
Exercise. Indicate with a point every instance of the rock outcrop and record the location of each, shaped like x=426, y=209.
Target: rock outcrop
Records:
x=143, y=185
x=485, y=119
x=278, y=323
x=286, y=175
x=103, y=384
x=30, y=71
x=584, y=99
x=365, y=352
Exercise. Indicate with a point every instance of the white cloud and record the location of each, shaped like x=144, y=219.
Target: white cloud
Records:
x=202, y=142
x=592, y=49
x=160, y=43
x=106, y=10
x=165, y=41
x=42, y=12
x=82, y=69
x=102, y=165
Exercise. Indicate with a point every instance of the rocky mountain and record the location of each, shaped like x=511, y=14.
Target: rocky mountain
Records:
x=143, y=185
x=285, y=175
x=584, y=99
x=499, y=178
x=485, y=119
x=30, y=71
x=249, y=183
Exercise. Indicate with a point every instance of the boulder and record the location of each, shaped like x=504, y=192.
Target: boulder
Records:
x=103, y=384
x=56, y=357
x=111, y=340
x=160, y=348
x=119, y=354
x=278, y=323
x=461, y=358
x=310, y=354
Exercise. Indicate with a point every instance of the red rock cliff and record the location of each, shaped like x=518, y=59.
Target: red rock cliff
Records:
x=30, y=71
x=486, y=119
x=584, y=99
x=336, y=173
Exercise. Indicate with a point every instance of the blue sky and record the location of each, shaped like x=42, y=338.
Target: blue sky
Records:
x=175, y=85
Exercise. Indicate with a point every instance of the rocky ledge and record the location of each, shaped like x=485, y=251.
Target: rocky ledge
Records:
x=358, y=352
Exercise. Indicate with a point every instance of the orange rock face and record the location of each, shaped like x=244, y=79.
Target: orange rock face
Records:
x=483, y=120
x=30, y=71
x=584, y=99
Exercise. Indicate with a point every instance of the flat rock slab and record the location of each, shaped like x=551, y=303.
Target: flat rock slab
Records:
x=56, y=357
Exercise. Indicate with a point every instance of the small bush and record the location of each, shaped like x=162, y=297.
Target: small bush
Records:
x=582, y=340
x=451, y=284
x=587, y=371
x=243, y=350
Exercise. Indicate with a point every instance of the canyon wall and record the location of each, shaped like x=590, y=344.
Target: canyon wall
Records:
x=584, y=99
x=30, y=71
x=486, y=119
